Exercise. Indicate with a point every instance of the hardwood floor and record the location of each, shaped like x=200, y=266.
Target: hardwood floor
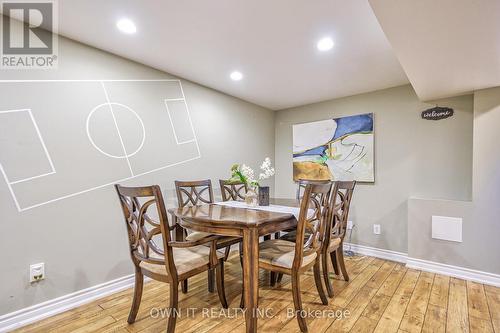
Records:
x=382, y=296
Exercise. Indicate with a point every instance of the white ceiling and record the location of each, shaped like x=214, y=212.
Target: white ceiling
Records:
x=447, y=47
x=273, y=43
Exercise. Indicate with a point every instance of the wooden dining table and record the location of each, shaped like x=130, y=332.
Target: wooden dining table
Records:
x=247, y=223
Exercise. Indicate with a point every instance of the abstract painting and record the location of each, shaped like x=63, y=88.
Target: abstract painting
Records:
x=334, y=149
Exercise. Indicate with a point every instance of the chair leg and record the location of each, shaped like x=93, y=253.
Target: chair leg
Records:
x=272, y=277
x=326, y=274
x=279, y=277
x=340, y=255
x=184, y=285
x=240, y=245
x=211, y=280
x=335, y=264
x=173, y=307
x=138, y=287
x=297, y=301
x=226, y=252
x=220, y=284
x=319, y=283
x=242, y=299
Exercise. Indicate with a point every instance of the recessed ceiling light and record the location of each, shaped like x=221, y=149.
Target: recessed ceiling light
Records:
x=126, y=26
x=325, y=44
x=236, y=76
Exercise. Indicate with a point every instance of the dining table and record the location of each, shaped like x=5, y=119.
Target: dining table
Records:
x=249, y=223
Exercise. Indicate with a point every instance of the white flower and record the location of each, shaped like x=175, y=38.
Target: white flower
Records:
x=248, y=173
x=268, y=170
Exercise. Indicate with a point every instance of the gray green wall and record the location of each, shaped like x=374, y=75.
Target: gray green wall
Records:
x=82, y=240
x=480, y=249
x=413, y=157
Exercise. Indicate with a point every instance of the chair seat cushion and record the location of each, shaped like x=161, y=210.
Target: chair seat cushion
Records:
x=185, y=260
x=280, y=252
x=292, y=235
x=197, y=235
x=289, y=236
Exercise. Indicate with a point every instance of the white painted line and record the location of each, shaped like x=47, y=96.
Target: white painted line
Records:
x=175, y=132
x=102, y=151
x=189, y=117
x=190, y=120
x=31, y=178
x=10, y=188
x=187, y=141
x=171, y=122
x=104, y=185
x=47, y=155
x=43, y=142
x=12, y=111
x=117, y=128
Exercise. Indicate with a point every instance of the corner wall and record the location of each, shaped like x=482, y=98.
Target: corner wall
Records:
x=413, y=157
x=480, y=247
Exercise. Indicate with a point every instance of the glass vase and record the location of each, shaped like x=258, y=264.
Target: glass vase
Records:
x=251, y=198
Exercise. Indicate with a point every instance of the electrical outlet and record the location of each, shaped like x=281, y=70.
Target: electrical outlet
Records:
x=349, y=225
x=376, y=229
x=37, y=272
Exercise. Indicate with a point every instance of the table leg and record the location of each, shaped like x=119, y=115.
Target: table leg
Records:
x=178, y=231
x=251, y=277
x=179, y=237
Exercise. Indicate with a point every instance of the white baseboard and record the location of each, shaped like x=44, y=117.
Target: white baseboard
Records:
x=426, y=265
x=376, y=252
x=13, y=320
x=52, y=307
x=454, y=271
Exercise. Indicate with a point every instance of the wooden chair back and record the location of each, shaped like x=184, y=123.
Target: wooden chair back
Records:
x=301, y=186
x=146, y=217
x=312, y=218
x=232, y=190
x=340, y=203
x=193, y=193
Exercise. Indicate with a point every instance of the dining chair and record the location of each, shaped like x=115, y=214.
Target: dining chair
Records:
x=295, y=258
x=193, y=193
x=232, y=190
x=301, y=186
x=156, y=256
x=333, y=245
x=292, y=233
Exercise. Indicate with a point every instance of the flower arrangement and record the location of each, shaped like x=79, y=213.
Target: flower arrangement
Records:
x=245, y=174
